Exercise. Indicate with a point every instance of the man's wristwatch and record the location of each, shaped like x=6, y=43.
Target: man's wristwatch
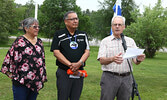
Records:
x=137, y=60
x=82, y=63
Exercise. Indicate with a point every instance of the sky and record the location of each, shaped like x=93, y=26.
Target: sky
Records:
x=94, y=5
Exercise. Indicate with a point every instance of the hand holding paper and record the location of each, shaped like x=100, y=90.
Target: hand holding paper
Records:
x=133, y=52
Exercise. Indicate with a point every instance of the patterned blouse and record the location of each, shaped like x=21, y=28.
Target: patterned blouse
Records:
x=25, y=63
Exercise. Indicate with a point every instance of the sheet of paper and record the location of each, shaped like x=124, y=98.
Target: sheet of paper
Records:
x=133, y=52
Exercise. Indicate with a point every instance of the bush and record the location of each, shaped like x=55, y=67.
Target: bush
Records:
x=149, y=30
x=4, y=38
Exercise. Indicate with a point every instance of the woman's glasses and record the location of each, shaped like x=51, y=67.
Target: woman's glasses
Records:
x=35, y=27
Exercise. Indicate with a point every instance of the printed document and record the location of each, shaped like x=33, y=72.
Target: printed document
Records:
x=132, y=53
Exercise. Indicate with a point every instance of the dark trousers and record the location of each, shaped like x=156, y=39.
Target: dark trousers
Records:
x=68, y=87
x=115, y=86
x=23, y=93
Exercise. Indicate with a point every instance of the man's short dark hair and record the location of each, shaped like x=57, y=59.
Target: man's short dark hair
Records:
x=66, y=14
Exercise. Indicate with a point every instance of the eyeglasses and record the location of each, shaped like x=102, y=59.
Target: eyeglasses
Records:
x=72, y=19
x=117, y=25
x=35, y=27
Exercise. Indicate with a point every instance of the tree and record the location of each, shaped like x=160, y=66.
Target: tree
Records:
x=6, y=19
x=149, y=30
x=128, y=7
x=102, y=18
x=85, y=24
x=100, y=27
x=20, y=16
x=52, y=13
x=30, y=9
x=22, y=12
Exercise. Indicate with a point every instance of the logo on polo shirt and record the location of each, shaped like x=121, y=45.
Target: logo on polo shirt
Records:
x=73, y=45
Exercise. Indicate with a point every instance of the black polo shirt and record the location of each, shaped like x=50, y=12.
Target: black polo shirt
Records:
x=71, y=46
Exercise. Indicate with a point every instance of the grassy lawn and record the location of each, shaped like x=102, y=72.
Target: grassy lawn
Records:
x=151, y=76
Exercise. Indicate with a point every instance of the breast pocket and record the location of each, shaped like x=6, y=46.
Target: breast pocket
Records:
x=111, y=51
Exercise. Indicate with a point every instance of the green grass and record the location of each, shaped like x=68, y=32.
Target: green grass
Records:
x=151, y=76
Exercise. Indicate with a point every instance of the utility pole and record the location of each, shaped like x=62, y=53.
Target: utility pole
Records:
x=36, y=11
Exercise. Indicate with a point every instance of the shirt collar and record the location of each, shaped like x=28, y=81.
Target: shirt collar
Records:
x=68, y=33
x=113, y=38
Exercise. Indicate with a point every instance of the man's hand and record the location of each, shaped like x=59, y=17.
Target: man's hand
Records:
x=140, y=58
x=75, y=66
x=118, y=58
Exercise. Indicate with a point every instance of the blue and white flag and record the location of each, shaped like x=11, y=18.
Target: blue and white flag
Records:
x=117, y=10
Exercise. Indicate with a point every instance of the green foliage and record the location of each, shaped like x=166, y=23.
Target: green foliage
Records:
x=3, y=38
x=30, y=9
x=7, y=14
x=52, y=13
x=149, y=31
x=100, y=28
x=12, y=14
x=20, y=16
x=6, y=19
x=128, y=7
x=86, y=25
x=23, y=12
x=102, y=18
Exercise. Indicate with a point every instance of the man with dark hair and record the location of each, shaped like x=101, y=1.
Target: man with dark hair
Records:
x=70, y=47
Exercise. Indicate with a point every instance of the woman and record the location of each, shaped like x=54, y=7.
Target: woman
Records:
x=25, y=63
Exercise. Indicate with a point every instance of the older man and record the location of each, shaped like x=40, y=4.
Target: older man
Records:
x=116, y=80
x=70, y=47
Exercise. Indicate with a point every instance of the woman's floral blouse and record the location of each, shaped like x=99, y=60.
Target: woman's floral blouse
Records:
x=25, y=63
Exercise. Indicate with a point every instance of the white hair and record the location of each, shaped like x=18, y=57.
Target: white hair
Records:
x=123, y=18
